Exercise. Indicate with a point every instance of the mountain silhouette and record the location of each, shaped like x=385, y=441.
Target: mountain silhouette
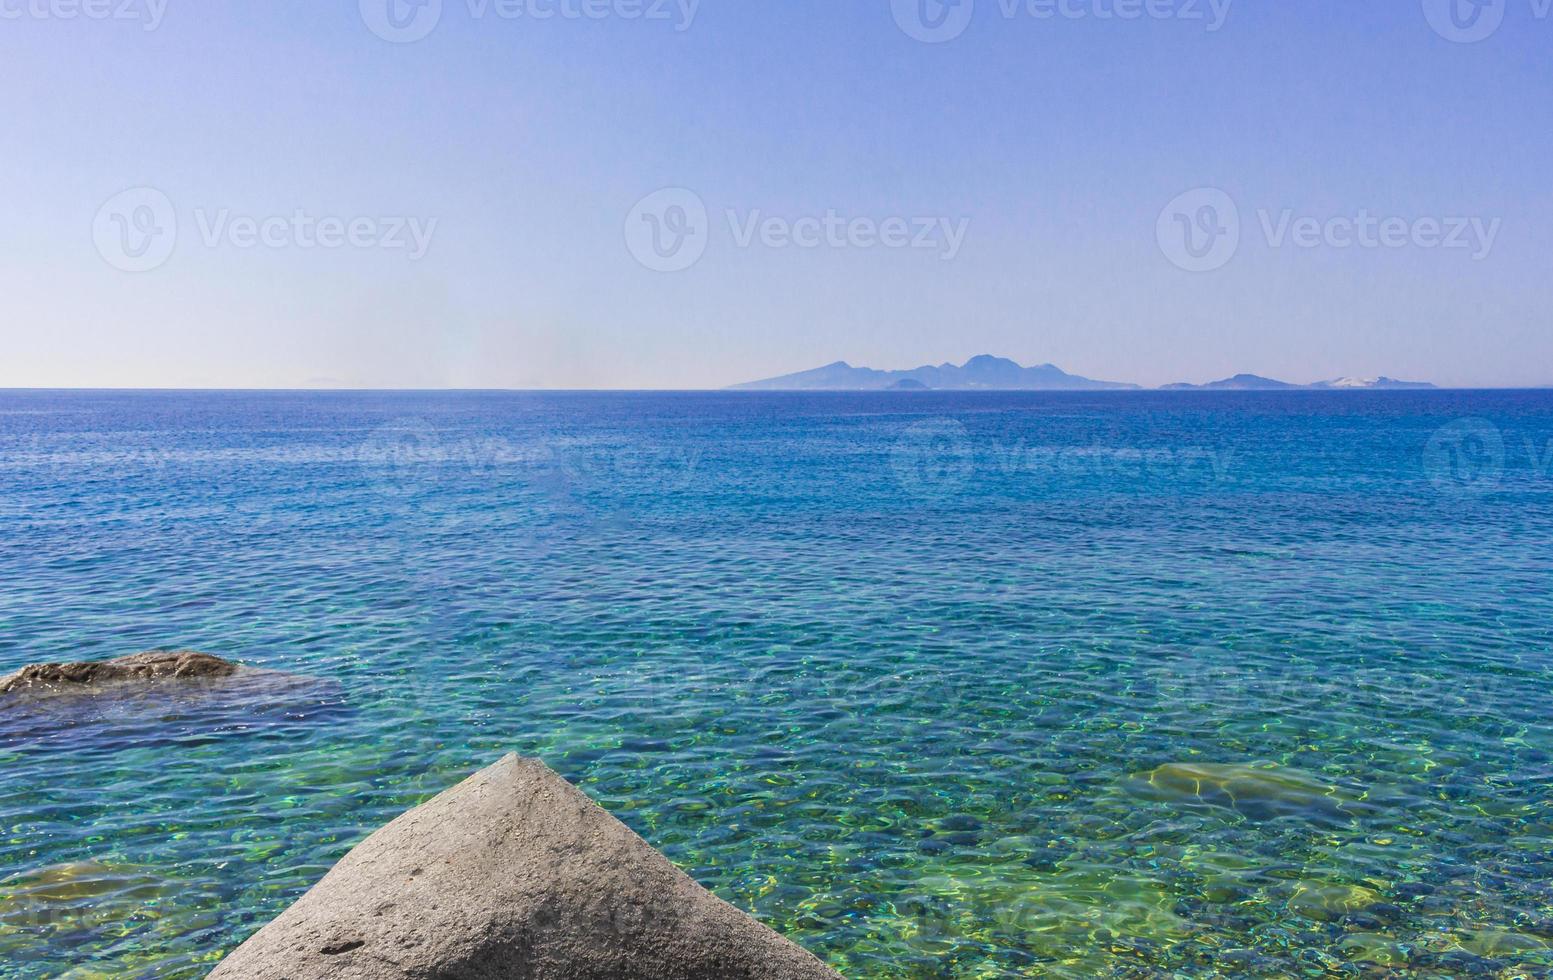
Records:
x=981, y=373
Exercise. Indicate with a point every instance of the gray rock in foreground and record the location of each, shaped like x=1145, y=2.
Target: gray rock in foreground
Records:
x=154, y=666
x=513, y=873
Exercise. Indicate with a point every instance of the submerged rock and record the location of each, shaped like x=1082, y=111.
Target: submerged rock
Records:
x=158, y=698
x=1063, y=910
x=83, y=896
x=153, y=666
x=512, y=873
x=53, y=893
x=1376, y=948
x=1500, y=943
x=1329, y=901
x=118, y=919
x=1258, y=792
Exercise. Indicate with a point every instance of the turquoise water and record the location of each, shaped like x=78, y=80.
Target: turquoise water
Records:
x=969, y=685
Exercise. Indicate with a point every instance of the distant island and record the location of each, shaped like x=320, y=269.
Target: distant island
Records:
x=982, y=373
x=988, y=373
x=1252, y=382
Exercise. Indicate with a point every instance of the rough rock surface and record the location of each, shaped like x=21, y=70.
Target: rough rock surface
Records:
x=511, y=874
x=156, y=665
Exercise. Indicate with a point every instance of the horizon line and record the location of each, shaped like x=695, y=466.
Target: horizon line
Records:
x=742, y=390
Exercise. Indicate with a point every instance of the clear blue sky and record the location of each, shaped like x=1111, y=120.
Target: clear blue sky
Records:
x=1058, y=141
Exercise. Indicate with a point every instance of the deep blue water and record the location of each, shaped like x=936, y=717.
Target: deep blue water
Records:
x=970, y=685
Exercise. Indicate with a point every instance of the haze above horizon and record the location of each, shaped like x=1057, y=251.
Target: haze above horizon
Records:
x=478, y=196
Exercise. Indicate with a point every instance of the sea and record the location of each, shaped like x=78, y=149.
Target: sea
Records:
x=971, y=684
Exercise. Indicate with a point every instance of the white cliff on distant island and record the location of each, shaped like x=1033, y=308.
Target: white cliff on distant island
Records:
x=1359, y=383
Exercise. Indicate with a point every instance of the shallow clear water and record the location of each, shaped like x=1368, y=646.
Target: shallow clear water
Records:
x=971, y=685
